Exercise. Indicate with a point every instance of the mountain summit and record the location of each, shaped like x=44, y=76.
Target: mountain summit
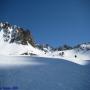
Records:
x=14, y=34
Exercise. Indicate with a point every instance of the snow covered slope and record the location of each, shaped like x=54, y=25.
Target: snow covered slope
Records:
x=18, y=41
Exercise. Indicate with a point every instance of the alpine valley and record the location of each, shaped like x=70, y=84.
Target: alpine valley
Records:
x=17, y=41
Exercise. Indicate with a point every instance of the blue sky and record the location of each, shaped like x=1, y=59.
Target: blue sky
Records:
x=55, y=22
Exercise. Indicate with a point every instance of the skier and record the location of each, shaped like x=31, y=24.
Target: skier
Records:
x=75, y=56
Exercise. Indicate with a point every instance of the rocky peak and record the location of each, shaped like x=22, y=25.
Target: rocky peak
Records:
x=15, y=34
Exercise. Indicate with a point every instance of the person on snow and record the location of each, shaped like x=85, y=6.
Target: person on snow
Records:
x=75, y=56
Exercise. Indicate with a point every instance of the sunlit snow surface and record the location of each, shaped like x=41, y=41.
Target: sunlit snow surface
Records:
x=16, y=61
x=16, y=50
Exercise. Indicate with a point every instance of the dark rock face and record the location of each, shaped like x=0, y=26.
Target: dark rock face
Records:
x=14, y=34
x=64, y=47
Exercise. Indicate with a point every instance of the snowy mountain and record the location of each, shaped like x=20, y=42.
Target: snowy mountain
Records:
x=45, y=47
x=14, y=34
x=76, y=54
x=15, y=40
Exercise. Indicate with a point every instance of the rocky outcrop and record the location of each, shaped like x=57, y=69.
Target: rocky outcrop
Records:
x=15, y=34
